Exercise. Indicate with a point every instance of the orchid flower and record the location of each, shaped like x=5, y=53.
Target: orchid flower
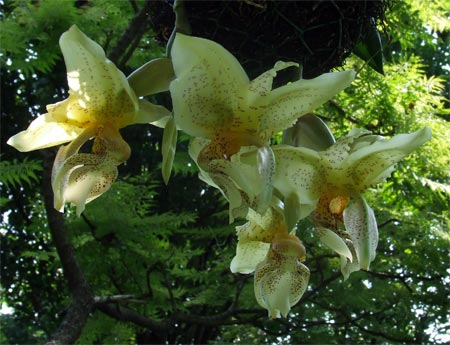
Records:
x=101, y=101
x=281, y=279
x=331, y=183
x=214, y=100
x=266, y=248
x=255, y=238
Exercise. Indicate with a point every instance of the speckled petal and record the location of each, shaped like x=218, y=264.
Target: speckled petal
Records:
x=89, y=182
x=279, y=283
x=103, y=92
x=373, y=163
x=248, y=255
x=244, y=176
x=63, y=169
x=208, y=86
x=195, y=147
x=261, y=86
x=289, y=102
x=347, y=266
x=263, y=227
x=68, y=159
x=360, y=223
x=298, y=171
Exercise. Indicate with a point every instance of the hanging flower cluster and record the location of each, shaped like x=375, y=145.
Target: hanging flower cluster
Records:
x=232, y=120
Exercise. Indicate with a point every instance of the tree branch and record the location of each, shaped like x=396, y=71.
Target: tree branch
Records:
x=82, y=300
x=135, y=30
x=124, y=314
x=118, y=298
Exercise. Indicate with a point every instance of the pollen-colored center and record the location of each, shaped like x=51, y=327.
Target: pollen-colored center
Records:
x=329, y=210
x=338, y=204
x=290, y=245
x=226, y=144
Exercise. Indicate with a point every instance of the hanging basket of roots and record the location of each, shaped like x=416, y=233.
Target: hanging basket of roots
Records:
x=317, y=34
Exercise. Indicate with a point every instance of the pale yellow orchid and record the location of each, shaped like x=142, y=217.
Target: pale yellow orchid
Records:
x=214, y=100
x=331, y=183
x=281, y=279
x=255, y=238
x=101, y=101
x=266, y=248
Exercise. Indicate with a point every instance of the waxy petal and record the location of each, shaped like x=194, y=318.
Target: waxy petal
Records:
x=45, y=131
x=293, y=210
x=88, y=182
x=298, y=172
x=151, y=113
x=248, y=255
x=360, y=223
x=373, y=163
x=262, y=85
x=289, y=102
x=102, y=90
x=266, y=172
x=81, y=177
x=208, y=86
x=153, y=77
x=263, y=227
x=245, y=180
x=334, y=242
x=68, y=159
x=279, y=284
x=349, y=266
x=169, y=145
x=310, y=132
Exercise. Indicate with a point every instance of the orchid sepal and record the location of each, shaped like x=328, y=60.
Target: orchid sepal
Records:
x=361, y=225
x=153, y=77
x=169, y=144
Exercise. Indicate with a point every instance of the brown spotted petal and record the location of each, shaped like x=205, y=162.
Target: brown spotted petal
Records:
x=79, y=178
x=209, y=82
x=287, y=103
x=361, y=225
x=349, y=266
x=101, y=89
x=88, y=182
x=255, y=238
x=372, y=160
x=245, y=179
x=298, y=180
x=212, y=92
x=280, y=282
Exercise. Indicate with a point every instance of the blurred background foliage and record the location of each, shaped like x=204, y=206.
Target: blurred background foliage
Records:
x=167, y=249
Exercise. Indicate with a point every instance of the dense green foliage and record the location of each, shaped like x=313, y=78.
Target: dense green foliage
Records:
x=166, y=249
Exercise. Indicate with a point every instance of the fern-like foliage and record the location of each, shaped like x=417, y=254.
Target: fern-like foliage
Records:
x=14, y=173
